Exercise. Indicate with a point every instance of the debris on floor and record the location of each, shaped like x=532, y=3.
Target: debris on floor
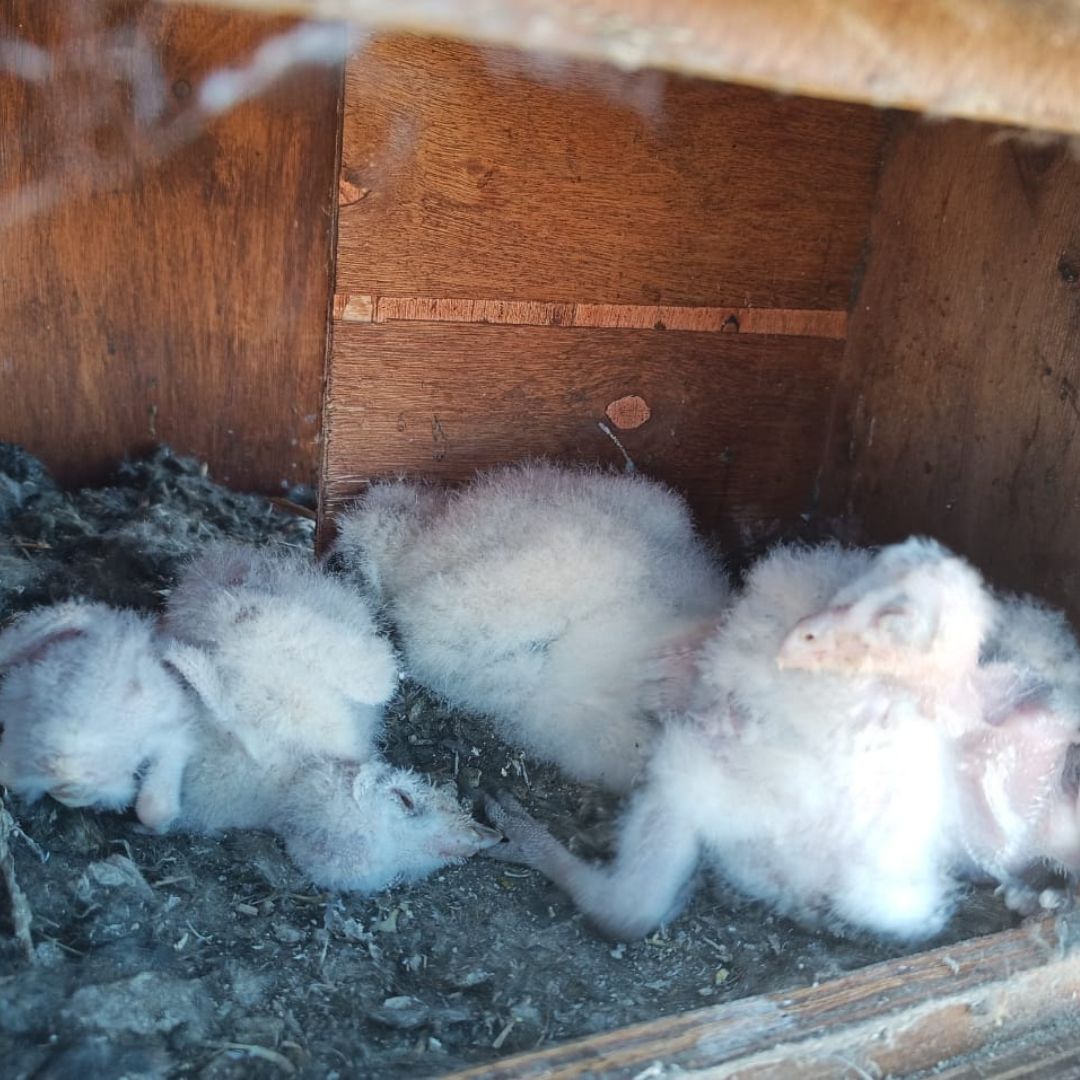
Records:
x=129, y=954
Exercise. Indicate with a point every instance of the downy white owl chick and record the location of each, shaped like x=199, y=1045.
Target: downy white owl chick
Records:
x=540, y=596
x=1021, y=771
x=347, y=825
x=89, y=713
x=367, y=826
x=1000, y=673
x=288, y=658
x=917, y=613
x=1028, y=632
x=854, y=793
x=93, y=716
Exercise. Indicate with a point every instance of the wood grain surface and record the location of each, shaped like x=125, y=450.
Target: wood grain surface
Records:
x=360, y=307
x=163, y=275
x=522, y=246
x=486, y=175
x=963, y=367
x=735, y=421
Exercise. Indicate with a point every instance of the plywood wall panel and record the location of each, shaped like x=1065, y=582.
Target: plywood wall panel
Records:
x=528, y=248
x=481, y=173
x=735, y=421
x=163, y=276
x=963, y=358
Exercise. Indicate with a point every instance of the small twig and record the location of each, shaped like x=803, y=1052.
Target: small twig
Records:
x=170, y=881
x=629, y=467
x=501, y=1037
x=29, y=841
x=27, y=545
x=67, y=948
x=291, y=507
x=264, y=1053
x=126, y=846
x=21, y=915
x=201, y=937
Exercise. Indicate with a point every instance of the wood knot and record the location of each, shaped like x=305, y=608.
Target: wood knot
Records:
x=350, y=193
x=628, y=412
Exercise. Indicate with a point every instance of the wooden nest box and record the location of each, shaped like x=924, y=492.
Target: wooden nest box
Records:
x=445, y=254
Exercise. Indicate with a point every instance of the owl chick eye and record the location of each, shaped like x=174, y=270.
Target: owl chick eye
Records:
x=406, y=800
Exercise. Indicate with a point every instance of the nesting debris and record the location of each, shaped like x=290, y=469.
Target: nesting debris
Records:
x=121, y=543
x=212, y=957
x=21, y=915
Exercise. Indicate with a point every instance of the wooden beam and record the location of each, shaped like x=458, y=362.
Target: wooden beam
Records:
x=1007, y=61
x=890, y=1019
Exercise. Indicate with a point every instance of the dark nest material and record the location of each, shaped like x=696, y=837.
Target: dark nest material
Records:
x=126, y=954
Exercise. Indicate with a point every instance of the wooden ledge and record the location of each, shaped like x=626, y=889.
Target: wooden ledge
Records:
x=892, y=1019
x=1013, y=62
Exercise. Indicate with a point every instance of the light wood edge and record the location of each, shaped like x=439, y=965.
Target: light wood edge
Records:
x=365, y=308
x=1009, y=62
x=893, y=1018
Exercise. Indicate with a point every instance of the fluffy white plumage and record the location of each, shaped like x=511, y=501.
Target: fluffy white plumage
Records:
x=850, y=779
x=89, y=714
x=1021, y=770
x=1029, y=633
x=366, y=826
x=350, y=825
x=541, y=597
x=288, y=658
x=916, y=613
x=95, y=712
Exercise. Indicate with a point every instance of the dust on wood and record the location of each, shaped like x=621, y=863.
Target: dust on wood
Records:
x=891, y=1019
